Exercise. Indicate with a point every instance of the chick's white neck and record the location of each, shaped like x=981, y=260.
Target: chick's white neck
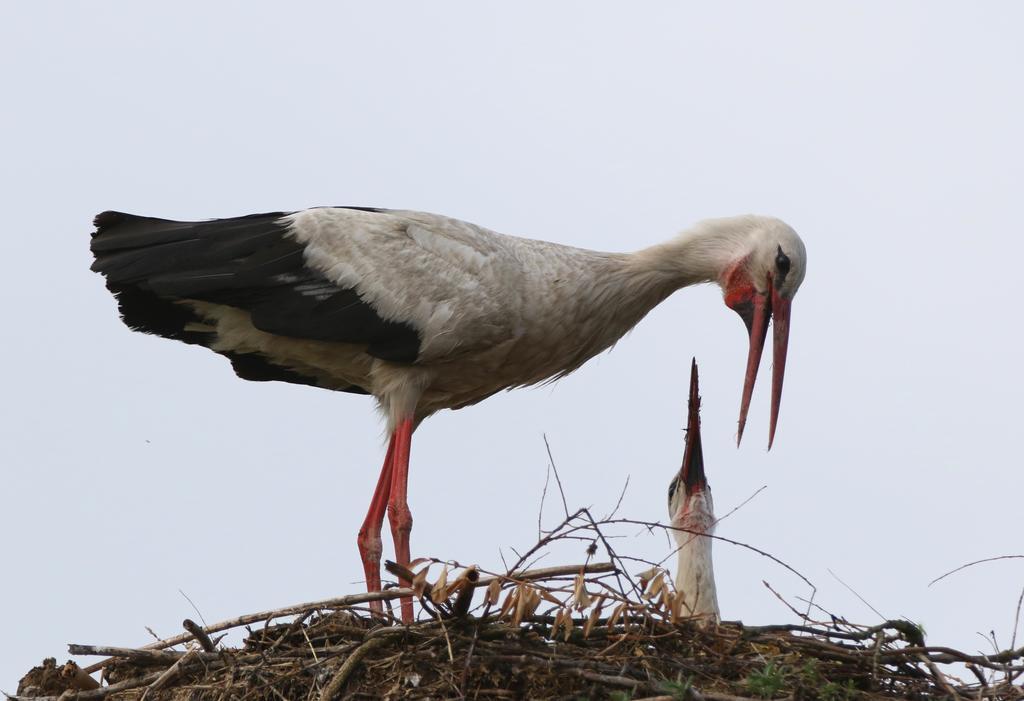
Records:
x=695, y=576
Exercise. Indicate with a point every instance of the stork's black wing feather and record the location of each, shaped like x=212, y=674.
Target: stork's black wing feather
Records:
x=245, y=262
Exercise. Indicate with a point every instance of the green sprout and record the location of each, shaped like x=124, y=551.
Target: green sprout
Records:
x=767, y=682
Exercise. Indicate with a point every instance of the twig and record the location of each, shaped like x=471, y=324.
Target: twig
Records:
x=810, y=604
x=612, y=555
x=851, y=590
x=977, y=675
x=1016, y=619
x=312, y=650
x=762, y=553
x=469, y=658
x=200, y=635
x=779, y=597
x=464, y=597
x=741, y=504
x=543, y=497
x=976, y=562
x=296, y=625
x=618, y=503
x=194, y=607
x=549, y=573
x=337, y=602
x=608, y=679
x=447, y=641
x=169, y=674
x=347, y=667
x=554, y=468
x=136, y=654
x=270, y=685
x=939, y=677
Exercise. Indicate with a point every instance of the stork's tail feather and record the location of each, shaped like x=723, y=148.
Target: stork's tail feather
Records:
x=163, y=271
x=150, y=263
x=144, y=259
x=160, y=253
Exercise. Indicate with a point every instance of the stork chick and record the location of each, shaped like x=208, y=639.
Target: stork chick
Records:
x=692, y=512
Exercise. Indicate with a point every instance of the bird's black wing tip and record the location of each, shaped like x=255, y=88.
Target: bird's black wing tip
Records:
x=107, y=219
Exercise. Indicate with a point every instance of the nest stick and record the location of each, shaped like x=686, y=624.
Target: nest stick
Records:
x=345, y=671
x=135, y=654
x=169, y=674
x=337, y=602
x=199, y=634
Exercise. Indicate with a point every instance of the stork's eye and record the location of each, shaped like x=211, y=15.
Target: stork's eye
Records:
x=781, y=263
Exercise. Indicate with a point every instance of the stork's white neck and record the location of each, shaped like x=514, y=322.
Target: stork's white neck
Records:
x=603, y=295
x=695, y=577
x=699, y=254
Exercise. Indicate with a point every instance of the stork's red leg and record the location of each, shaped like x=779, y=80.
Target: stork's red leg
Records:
x=399, y=514
x=370, y=548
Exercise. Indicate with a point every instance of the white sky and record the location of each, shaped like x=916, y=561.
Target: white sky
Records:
x=888, y=134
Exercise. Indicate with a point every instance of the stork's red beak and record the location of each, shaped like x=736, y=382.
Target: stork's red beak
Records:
x=692, y=471
x=755, y=308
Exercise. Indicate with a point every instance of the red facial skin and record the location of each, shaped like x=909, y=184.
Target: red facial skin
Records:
x=755, y=308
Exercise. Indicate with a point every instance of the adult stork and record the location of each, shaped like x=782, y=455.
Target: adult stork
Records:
x=693, y=515
x=425, y=312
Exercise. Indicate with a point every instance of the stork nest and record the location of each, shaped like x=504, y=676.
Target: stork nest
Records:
x=587, y=631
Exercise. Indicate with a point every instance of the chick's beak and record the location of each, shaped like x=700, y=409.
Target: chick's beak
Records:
x=692, y=470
